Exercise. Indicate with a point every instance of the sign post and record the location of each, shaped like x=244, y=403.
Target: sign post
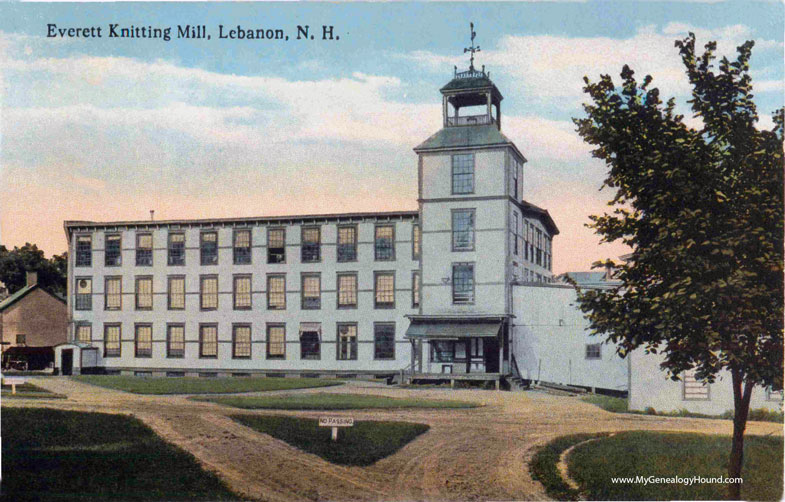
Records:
x=13, y=382
x=334, y=423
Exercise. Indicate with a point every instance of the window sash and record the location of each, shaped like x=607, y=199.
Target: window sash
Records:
x=208, y=341
x=241, y=342
x=175, y=341
x=415, y=289
x=347, y=244
x=113, y=252
x=113, y=293
x=463, y=283
x=310, y=345
x=311, y=292
x=416, y=242
x=144, y=250
x=347, y=290
x=311, y=245
x=463, y=173
x=144, y=293
x=384, y=243
x=384, y=290
x=384, y=341
x=276, y=292
x=593, y=351
x=208, y=248
x=84, y=251
x=242, y=292
x=276, y=342
x=276, y=245
x=176, y=293
x=208, y=293
x=176, y=249
x=84, y=333
x=143, y=341
x=84, y=294
x=112, y=346
x=242, y=247
x=463, y=230
x=347, y=342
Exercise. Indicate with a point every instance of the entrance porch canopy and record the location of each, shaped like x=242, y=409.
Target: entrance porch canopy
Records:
x=454, y=327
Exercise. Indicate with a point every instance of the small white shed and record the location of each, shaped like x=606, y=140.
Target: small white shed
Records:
x=74, y=358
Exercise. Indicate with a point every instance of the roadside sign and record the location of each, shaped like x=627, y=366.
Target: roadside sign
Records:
x=334, y=423
x=13, y=382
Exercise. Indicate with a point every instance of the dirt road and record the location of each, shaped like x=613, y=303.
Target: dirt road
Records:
x=474, y=454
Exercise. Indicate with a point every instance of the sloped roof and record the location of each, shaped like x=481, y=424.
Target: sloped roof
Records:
x=22, y=293
x=542, y=214
x=472, y=136
x=460, y=83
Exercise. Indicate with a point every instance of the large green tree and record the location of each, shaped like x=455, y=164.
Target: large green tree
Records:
x=15, y=264
x=702, y=210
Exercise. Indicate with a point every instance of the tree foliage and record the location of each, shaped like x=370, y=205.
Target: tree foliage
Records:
x=702, y=211
x=15, y=264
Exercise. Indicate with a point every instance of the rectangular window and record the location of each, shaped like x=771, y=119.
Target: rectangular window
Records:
x=310, y=343
x=208, y=248
x=442, y=351
x=593, y=351
x=144, y=293
x=84, y=251
x=84, y=333
x=347, y=291
x=242, y=292
x=21, y=339
x=113, y=254
x=773, y=395
x=144, y=250
x=384, y=290
x=311, y=245
x=208, y=341
x=208, y=292
x=276, y=245
x=384, y=243
x=415, y=289
x=175, y=293
x=347, y=243
x=84, y=293
x=347, y=341
x=176, y=249
x=416, y=241
x=311, y=291
x=143, y=340
x=113, y=293
x=384, y=340
x=112, y=340
x=276, y=341
x=515, y=180
x=463, y=173
x=242, y=247
x=241, y=341
x=276, y=292
x=462, y=283
x=694, y=389
x=175, y=341
x=463, y=230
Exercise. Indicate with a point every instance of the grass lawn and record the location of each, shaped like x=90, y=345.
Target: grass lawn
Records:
x=325, y=401
x=363, y=444
x=29, y=391
x=195, y=385
x=65, y=455
x=544, y=466
x=607, y=403
x=675, y=454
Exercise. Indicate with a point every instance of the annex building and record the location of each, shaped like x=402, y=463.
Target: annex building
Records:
x=461, y=289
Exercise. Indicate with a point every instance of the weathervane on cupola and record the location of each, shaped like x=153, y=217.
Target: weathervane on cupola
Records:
x=472, y=48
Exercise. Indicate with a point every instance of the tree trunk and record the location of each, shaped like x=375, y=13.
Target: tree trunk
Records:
x=742, y=391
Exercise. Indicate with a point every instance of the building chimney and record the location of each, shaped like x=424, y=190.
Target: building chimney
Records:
x=32, y=278
x=152, y=214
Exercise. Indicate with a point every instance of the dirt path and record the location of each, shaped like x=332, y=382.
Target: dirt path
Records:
x=475, y=454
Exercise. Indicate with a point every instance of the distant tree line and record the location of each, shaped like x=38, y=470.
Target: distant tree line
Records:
x=15, y=264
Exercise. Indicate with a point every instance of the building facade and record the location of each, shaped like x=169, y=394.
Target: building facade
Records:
x=426, y=292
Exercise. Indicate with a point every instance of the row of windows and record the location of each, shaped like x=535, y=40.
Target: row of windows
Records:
x=310, y=247
x=310, y=340
x=531, y=243
x=242, y=295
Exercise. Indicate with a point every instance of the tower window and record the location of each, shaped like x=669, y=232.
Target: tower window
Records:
x=463, y=230
x=463, y=173
x=416, y=241
x=462, y=283
x=415, y=289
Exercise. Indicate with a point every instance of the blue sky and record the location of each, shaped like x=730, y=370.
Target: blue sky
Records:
x=110, y=128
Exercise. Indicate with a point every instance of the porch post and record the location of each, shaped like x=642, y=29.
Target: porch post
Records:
x=413, y=357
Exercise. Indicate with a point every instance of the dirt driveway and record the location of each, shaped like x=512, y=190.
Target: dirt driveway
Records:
x=474, y=454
